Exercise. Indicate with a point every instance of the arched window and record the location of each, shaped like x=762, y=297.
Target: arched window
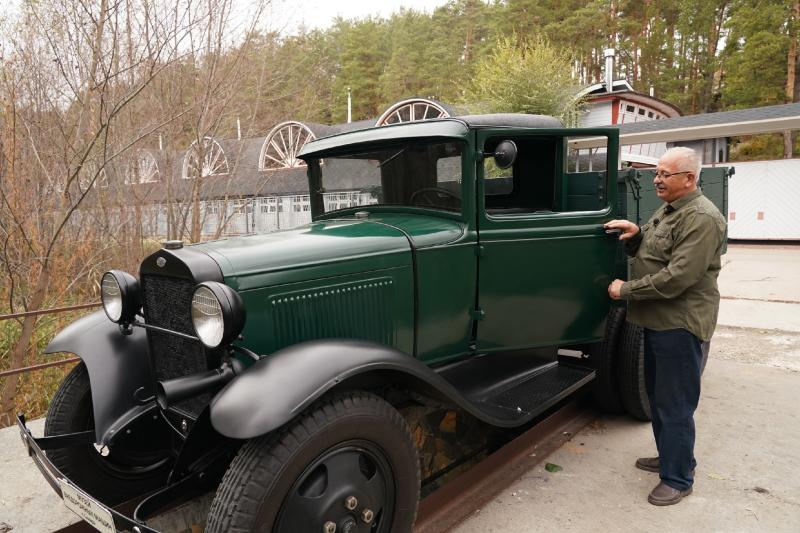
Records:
x=204, y=160
x=412, y=110
x=88, y=176
x=142, y=167
x=282, y=145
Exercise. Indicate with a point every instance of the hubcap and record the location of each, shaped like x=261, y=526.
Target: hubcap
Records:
x=337, y=490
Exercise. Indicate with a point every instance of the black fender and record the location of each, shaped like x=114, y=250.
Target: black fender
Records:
x=118, y=365
x=278, y=387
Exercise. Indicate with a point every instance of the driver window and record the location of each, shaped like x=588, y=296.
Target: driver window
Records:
x=550, y=175
x=528, y=186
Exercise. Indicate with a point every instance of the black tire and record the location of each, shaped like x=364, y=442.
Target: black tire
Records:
x=124, y=473
x=631, y=373
x=606, y=383
x=281, y=482
x=706, y=348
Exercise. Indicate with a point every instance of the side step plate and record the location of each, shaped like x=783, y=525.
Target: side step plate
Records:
x=538, y=392
x=512, y=388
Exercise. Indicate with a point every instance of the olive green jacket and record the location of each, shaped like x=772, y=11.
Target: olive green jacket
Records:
x=676, y=262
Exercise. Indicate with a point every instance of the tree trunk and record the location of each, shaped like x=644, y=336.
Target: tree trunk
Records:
x=86, y=111
x=791, y=76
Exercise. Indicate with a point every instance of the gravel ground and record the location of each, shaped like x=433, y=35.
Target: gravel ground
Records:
x=747, y=452
x=770, y=348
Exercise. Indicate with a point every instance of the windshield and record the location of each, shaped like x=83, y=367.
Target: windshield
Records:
x=421, y=174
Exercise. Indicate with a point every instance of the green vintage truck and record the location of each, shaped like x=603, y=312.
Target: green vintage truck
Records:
x=270, y=368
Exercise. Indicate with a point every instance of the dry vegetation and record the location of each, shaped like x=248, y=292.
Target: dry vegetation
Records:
x=84, y=85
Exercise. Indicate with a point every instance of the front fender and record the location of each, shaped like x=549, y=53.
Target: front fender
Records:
x=278, y=387
x=117, y=364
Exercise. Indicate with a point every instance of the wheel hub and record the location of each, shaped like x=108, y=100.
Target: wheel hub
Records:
x=349, y=525
x=348, y=489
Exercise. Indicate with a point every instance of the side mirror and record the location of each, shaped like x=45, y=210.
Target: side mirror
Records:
x=505, y=153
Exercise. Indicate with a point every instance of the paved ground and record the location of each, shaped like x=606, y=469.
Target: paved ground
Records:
x=748, y=435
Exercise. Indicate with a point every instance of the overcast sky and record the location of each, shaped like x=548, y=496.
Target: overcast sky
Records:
x=287, y=16
x=320, y=13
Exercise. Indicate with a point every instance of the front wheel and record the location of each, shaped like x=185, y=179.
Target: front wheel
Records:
x=348, y=463
x=130, y=469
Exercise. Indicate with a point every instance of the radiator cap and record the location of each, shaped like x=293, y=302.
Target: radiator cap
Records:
x=173, y=245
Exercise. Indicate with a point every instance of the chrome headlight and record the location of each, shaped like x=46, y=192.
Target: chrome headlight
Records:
x=218, y=313
x=119, y=292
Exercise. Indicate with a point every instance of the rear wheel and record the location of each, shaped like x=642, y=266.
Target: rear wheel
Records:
x=124, y=472
x=631, y=371
x=347, y=464
x=706, y=348
x=606, y=384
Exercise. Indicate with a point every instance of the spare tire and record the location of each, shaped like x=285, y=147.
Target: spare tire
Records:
x=606, y=383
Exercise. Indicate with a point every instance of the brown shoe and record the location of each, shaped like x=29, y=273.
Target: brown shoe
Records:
x=651, y=464
x=663, y=494
x=647, y=463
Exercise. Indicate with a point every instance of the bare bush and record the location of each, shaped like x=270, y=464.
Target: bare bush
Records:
x=88, y=89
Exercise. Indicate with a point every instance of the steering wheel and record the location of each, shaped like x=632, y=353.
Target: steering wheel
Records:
x=428, y=190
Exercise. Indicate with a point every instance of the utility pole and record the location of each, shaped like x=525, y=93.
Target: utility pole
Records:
x=349, y=106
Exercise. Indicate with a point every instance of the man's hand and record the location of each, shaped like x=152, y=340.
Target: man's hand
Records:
x=615, y=286
x=629, y=229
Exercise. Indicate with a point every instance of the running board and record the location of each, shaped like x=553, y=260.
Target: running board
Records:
x=515, y=389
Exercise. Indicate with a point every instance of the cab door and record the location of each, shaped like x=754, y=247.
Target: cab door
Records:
x=545, y=261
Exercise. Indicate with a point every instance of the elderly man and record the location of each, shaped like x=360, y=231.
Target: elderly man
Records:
x=673, y=295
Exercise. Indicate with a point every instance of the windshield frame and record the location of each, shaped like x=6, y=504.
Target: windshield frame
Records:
x=396, y=147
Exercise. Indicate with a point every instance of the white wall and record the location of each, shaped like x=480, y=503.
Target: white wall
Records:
x=764, y=200
x=597, y=115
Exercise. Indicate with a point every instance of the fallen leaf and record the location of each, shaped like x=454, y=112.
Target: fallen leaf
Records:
x=550, y=467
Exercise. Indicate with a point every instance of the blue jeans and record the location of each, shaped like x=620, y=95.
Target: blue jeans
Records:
x=672, y=361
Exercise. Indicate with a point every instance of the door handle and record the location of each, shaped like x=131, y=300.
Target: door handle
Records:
x=614, y=232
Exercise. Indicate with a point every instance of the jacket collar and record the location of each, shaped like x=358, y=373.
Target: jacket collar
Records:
x=682, y=201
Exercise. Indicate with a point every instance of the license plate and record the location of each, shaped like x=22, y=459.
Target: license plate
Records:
x=87, y=508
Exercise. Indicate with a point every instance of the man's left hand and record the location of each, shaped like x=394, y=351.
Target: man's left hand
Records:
x=614, y=288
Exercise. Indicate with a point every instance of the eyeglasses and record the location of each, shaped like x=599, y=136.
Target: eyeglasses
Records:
x=664, y=174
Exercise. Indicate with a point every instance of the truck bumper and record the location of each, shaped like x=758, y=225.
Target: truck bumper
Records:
x=87, y=507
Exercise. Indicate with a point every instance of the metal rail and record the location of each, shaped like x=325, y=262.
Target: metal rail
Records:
x=457, y=500
x=53, y=310
x=50, y=311
x=6, y=373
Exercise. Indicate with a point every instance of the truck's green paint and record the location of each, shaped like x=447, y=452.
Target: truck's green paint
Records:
x=442, y=285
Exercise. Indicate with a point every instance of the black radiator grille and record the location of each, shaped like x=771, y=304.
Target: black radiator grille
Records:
x=167, y=301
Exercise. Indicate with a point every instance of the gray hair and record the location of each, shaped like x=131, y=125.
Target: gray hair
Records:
x=686, y=159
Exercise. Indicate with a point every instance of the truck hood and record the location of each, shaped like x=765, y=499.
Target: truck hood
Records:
x=327, y=248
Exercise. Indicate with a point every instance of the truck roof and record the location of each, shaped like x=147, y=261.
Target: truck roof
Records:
x=453, y=127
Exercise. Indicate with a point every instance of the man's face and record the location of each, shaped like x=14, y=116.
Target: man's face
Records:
x=680, y=183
